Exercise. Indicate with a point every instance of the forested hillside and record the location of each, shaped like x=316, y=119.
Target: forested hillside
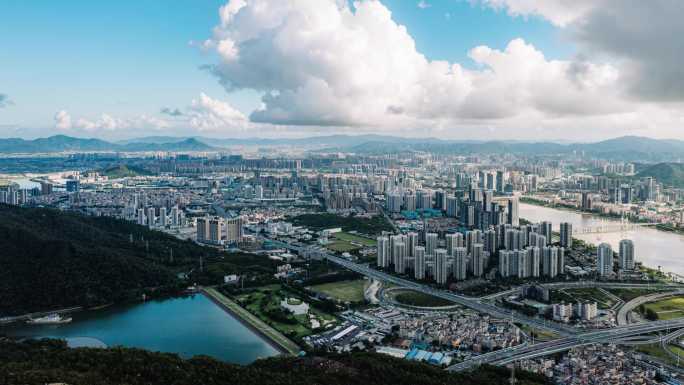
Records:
x=52, y=259
x=50, y=361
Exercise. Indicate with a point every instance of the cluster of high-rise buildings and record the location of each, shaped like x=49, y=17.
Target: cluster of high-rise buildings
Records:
x=523, y=251
x=474, y=207
x=161, y=217
x=220, y=231
x=605, y=261
x=584, y=311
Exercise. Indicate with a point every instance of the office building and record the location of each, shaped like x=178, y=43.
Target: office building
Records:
x=566, y=235
x=419, y=262
x=441, y=267
x=604, y=260
x=431, y=243
x=383, y=252
x=460, y=267
x=234, y=230
x=626, y=260
x=513, y=207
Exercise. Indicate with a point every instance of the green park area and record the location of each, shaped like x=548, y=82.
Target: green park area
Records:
x=665, y=309
x=371, y=226
x=415, y=298
x=347, y=242
x=265, y=303
x=345, y=291
x=629, y=294
x=591, y=294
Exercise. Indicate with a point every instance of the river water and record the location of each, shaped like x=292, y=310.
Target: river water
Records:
x=187, y=326
x=652, y=247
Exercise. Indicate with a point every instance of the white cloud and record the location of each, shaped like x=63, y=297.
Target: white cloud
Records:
x=422, y=4
x=207, y=114
x=62, y=120
x=559, y=12
x=106, y=122
x=639, y=37
x=325, y=63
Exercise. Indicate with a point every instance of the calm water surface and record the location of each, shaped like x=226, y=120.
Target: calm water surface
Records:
x=187, y=326
x=652, y=247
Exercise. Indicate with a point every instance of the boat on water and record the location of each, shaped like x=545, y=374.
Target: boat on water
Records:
x=52, y=319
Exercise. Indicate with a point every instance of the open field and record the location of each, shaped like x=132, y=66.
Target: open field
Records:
x=341, y=246
x=345, y=291
x=414, y=298
x=668, y=308
x=346, y=242
x=355, y=238
x=582, y=295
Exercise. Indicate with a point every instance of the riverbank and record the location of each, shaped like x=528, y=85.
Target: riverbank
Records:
x=272, y=336
x=660, y=226
x=26, y=317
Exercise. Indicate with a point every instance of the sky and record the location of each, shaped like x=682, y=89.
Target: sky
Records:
x=578, y=70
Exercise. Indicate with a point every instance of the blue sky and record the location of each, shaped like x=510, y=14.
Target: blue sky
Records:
x=129, y=59
x=133, y=57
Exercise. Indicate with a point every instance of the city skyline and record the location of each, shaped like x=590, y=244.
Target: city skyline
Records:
x=486, y=69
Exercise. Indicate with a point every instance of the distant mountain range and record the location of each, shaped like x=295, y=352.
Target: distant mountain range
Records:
x=61, y=143
x=627, y=148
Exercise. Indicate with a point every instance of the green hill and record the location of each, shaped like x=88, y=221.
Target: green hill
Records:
x=49, y=361
x=669, y=174
x=122, y=171
x=52, y=259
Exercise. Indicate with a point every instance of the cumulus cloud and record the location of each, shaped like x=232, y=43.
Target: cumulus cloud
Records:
x=328, y=63
x=640, y=37
x=203, y=114
x=106, y=122
x=207, y=114
x=559, y=12
x=62, y=120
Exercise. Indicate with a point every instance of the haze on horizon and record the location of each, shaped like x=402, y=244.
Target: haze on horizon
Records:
x=580, y=70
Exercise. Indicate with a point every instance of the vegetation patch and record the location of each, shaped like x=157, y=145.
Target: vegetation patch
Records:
x=345, y=291
x=265, y=303
x=582, y=295
x=372, y=226
x=415, y=298
x=50, y=361
x=665, y=309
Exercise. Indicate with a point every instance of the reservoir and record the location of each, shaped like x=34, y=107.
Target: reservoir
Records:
x=651, y=247
x=188, y=326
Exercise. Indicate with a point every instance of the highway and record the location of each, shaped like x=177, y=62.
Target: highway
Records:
x=569, y=337
x=636, y=302
x=589, y=284
x=472, y=303
x=614, y=335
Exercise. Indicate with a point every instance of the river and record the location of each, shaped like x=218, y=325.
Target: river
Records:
x=652, y=247
x=187, y=326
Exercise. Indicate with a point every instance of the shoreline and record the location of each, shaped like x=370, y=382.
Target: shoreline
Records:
x=269, y=334
x=538, y=203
